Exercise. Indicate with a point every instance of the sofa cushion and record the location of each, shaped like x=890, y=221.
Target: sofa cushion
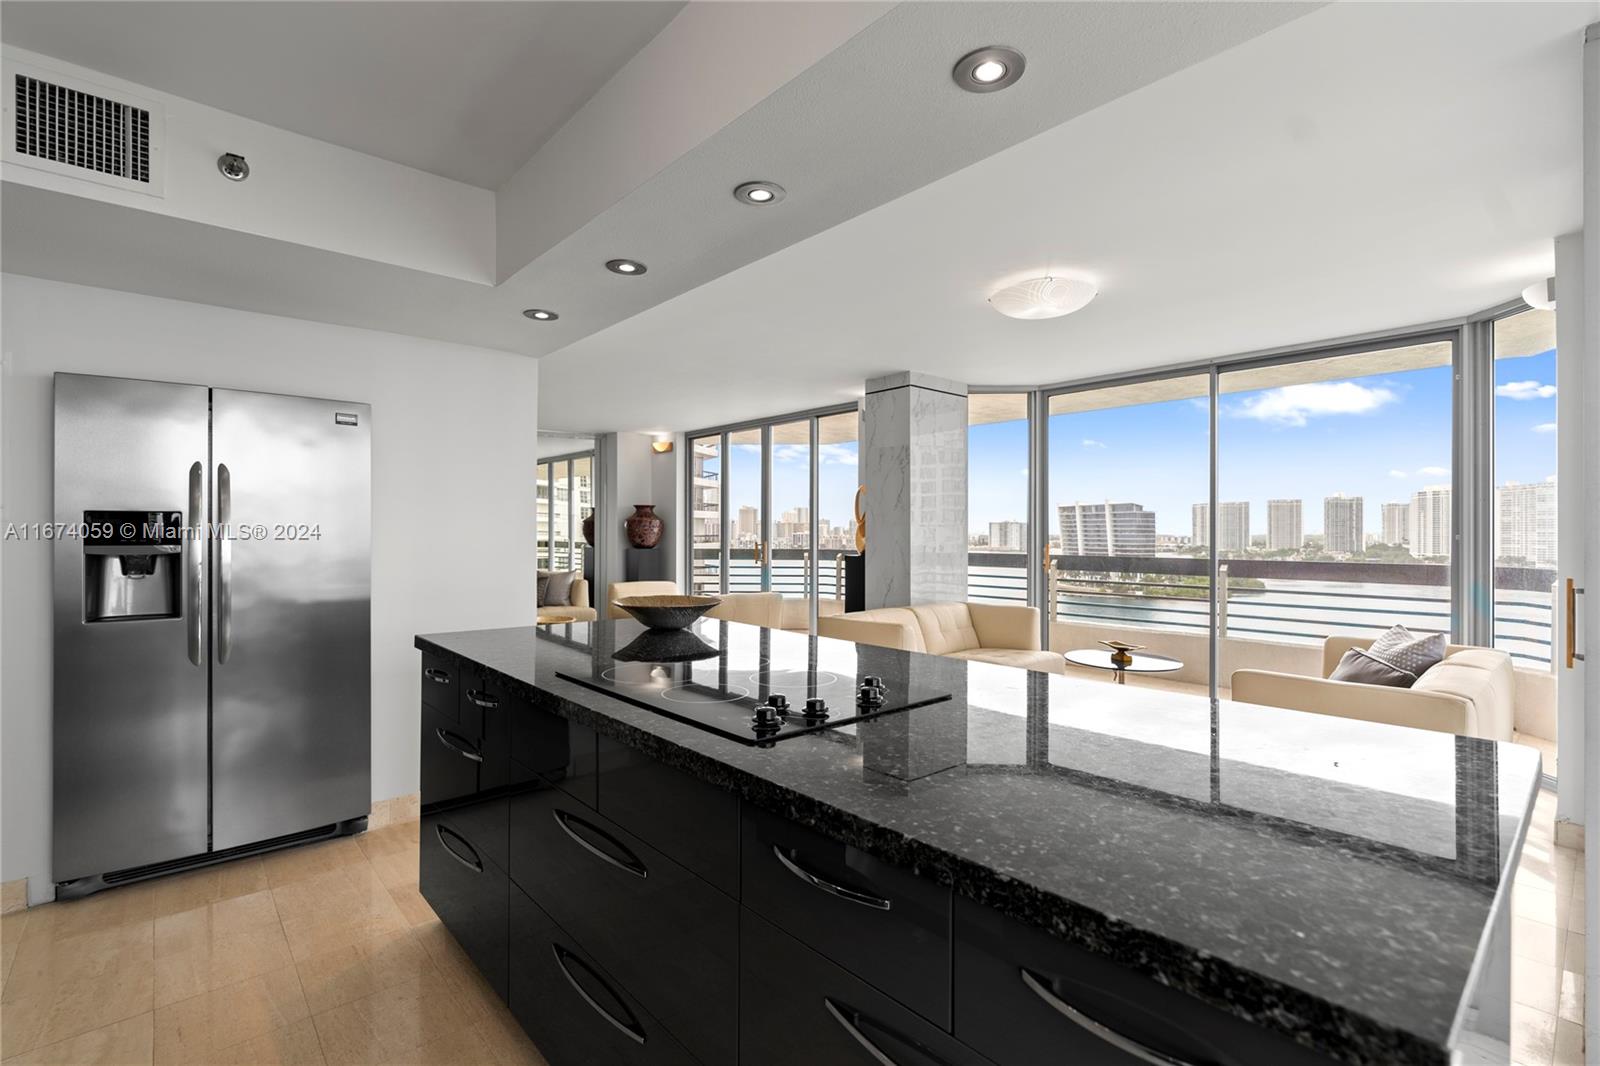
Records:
x=946, y=628
x=555, y=587
x=1407, y=651
x=884, y=627
x=1046, y=661
x=1364, y=668
x=1485, y=678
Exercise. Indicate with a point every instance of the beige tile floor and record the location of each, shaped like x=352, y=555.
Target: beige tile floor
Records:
x=328, y=954
x=320, y=954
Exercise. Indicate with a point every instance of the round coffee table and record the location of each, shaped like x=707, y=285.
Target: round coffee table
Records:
x=1143, y=662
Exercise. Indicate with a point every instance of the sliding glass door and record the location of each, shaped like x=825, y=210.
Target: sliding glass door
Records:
x=565, y=491
x=771, y=510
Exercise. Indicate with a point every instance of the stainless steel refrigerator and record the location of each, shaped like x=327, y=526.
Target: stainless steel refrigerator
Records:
x=212, y=587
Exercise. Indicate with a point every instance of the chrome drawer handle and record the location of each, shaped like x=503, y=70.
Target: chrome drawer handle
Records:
x=1125, y=1044
x=845, y=1015
x=631, y=864
x=436, y=675
x=483, y=699
x=863, y=898
x=629, y=1028
x=474, y=864
x=465, y=753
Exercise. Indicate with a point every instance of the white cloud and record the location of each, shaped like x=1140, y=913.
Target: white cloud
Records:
x=1545, y=427
x=790, y=453
x=1435, y=471
x=1525, y=390
x=838, y=454
x=1398, y=473
x=1294, y=405
x=1089, y=442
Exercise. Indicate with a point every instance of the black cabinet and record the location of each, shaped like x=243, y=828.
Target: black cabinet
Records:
x=669, y=937
x=799, y=1009
x=441, y=685
x=559, y=751
x=450, y=760
x=574, y=1010
x=879, y=921
x=469, y=894
x=1023, y=996
x=695, y=823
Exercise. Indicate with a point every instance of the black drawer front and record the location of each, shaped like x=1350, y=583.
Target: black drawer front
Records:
x=670, y=938
x=576, y=1012
x=1022, y=996
x=695, y=824
x=884, y=924
x=542, y=743
x=469, y=893
x=799, y=1009
x=451, y=759
x=441, y=685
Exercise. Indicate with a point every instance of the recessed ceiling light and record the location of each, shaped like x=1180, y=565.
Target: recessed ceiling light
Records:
x=539, y=314
x=989, y=69
x=1043, y=297
x=628, y=267
x=759, y=193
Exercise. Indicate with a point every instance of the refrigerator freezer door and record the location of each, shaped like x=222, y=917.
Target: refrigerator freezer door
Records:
x=130, y=701
x=291, y=732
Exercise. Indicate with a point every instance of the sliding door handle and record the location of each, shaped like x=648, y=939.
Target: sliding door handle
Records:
x=224, y=563
x=195, y=567
x=1573, y=654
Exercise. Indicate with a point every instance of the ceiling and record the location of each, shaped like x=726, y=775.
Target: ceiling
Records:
x=1366, y=167
x=465, y=90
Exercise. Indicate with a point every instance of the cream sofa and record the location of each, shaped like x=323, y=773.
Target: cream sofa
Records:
x=983, y=632
x=1471, y=692
x=578, y=610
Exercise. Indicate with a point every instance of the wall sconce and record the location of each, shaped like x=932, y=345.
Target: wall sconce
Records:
x=661, y=445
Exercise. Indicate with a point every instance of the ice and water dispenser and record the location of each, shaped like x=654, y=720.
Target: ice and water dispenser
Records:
x=132, y=565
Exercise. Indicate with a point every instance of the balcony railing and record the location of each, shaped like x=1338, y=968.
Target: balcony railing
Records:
x=1267, y=599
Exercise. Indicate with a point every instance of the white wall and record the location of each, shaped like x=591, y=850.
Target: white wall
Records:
x=453, y=451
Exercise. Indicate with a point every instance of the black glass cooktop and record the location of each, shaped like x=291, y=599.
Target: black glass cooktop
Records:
x=754, y=686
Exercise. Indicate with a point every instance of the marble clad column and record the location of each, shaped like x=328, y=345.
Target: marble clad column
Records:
x=914, y=465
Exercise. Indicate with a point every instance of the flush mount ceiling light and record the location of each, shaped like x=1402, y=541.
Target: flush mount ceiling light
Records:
x=1541, y=295
x=759, y=193
x=1043, y=297
x=631, y=268
x=233, y=166
x=989, y=69
x=539, y=314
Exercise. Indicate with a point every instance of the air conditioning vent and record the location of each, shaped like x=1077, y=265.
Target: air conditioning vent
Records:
x=65, y=126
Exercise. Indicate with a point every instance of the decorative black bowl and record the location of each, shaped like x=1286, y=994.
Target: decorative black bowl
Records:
x=666, y=646
x=668, y=612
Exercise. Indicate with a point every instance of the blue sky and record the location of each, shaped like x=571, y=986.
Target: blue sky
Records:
x=1380, y=437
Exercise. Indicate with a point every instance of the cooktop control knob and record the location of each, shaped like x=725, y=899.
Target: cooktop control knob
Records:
x=778, y=702
x=767, y=719
x=871, y=691
x=816, y=711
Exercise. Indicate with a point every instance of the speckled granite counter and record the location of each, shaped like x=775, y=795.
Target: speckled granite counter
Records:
x=1330, y=879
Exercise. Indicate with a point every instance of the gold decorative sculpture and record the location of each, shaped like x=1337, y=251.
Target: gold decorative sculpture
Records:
x=1121, y=652
x=861, y=519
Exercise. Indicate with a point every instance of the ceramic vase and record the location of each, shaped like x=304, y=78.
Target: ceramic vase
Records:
x=644, y=526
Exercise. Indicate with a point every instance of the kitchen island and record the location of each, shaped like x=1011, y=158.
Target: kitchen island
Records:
x=1021, y=867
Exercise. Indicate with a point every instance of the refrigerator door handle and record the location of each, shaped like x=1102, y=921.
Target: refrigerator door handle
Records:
x=224, y=563
x=194, y=553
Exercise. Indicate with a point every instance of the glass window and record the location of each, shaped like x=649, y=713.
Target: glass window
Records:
x=747, y=533
x=997, y=497
x=1525, y=485
x=705, y=504
x=561, y=516
x=838, y=477
x=788, y=554
x=1334, y=490
x=542, y=534
x=582, y=507
x=1128, y=464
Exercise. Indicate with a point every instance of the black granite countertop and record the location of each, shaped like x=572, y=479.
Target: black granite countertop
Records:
x=1327, y=878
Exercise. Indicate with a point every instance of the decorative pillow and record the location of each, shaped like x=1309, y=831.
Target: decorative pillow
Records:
x=557, y=588
x=1362, y=668
x=544, y=585
x=1404, y=650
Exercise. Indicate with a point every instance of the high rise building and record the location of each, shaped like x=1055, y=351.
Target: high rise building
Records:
x=1430, y=523
x=1397, y=523
x=1200, y=517
x=1525, y=522
x=1233, y=526
x=1285, y=525
x=1008, y=536
x=1343, y=523
x=748, y=525
x=1107, y=529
